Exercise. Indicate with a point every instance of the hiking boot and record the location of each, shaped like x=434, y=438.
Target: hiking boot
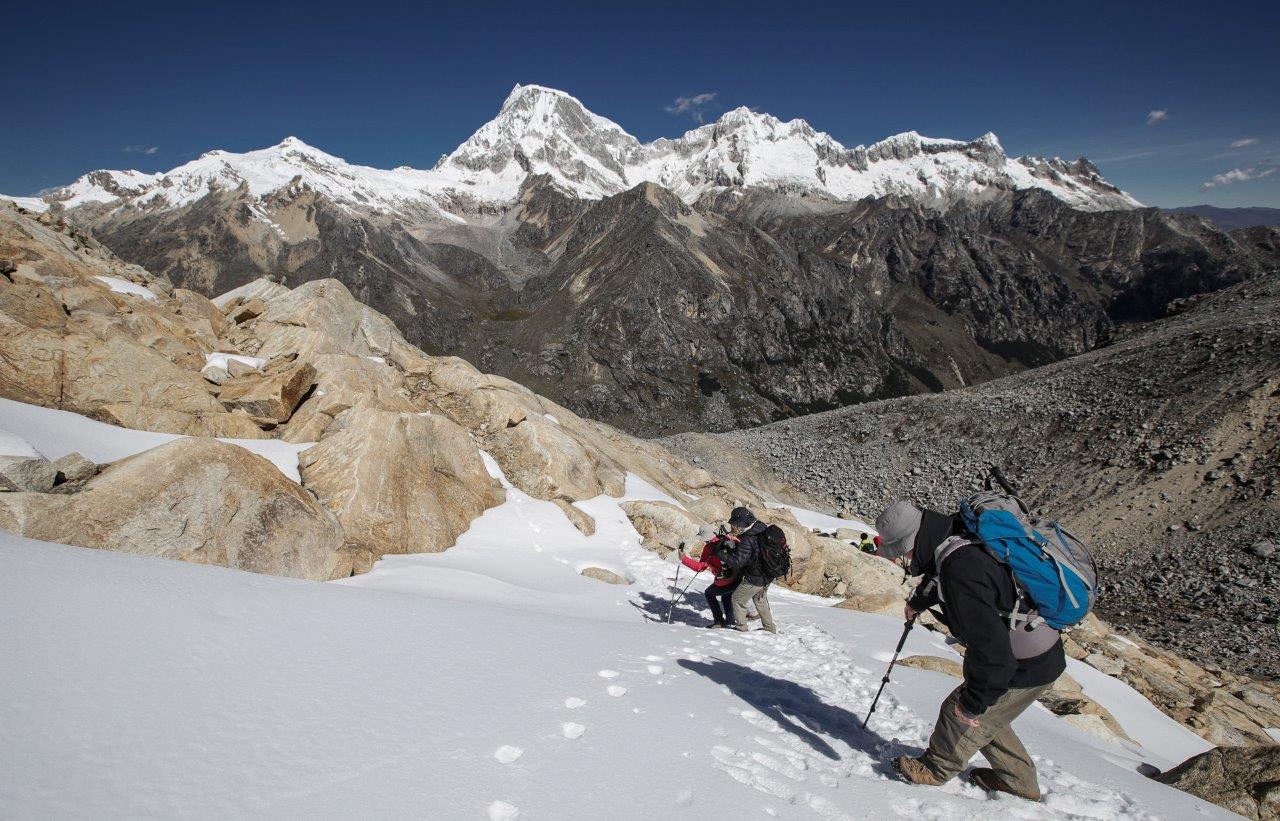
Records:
x=914, y=771
x=741, y=628
x=715, y=625
x=985, y=778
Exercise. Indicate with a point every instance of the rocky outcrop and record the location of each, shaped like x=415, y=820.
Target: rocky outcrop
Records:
x=398, y=482
x=198, y=500
x=82, y=331
x=1245, y=780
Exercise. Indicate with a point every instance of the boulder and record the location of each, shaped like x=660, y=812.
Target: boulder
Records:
x=26, y=473
x=399, y=482
x=201, y=315
x=247, y=310
x=261, y=288
x=582, y=520
x=602, y=575
x=236, y=425
x=215, y=374
x=269, y=398
x=73, y=468
x=117, y=370
x=546, y=461
x=1244, y=780
x=662, y=526
x=342, y=382
x=948, y=667
x=197, y=500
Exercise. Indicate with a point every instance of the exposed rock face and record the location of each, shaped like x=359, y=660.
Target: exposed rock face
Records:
x=69, y=341
x=1245, y=780
x=398, y=482
x=198, y=500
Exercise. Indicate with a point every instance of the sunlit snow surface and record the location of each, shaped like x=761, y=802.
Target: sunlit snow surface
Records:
x=124, y=286
x=55, y=433
x=489, y=681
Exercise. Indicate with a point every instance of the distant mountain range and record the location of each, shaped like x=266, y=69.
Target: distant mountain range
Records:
x=541, y=131
x=746, y=271
x=1229, y=219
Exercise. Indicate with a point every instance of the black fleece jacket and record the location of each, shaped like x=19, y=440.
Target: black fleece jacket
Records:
x=745, y=555
x=976, y=589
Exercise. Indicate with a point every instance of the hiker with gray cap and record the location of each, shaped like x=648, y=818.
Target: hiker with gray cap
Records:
x=1005, y=667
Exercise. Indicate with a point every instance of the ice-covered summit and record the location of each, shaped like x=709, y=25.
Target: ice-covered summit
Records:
x=540, y=130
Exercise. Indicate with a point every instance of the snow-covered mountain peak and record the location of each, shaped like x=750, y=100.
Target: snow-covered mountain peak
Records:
x=541, y=130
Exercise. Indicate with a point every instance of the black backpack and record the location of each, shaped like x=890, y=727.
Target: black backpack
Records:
x=774, y=554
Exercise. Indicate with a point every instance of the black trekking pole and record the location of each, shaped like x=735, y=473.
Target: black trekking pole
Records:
x=682, y=592
x=910, y=623
x=675, y=583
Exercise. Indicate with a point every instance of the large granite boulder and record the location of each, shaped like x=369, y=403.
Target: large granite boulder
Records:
x=1245, y=780
x=197, y=500
x=398, y=482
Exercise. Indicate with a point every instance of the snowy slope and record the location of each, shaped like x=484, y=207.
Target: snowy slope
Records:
x=543, y=131
x=55, y=433
x=490, y=681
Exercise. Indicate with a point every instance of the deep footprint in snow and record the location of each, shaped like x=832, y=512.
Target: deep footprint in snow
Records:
x=502, y=811
x=616, y=691
x=608, y=674
x=506, y=754
x=572, y=731
x=574, y=703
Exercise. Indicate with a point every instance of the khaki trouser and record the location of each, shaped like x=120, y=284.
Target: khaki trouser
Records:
x=953, y=743
x=760, y=595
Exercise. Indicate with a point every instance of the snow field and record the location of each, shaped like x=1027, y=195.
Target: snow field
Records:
x=488, y=681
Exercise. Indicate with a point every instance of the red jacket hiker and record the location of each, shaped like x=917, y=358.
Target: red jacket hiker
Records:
x=709, y=559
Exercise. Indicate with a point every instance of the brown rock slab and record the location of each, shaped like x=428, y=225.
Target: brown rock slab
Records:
x=1245, y=780
x=399, y=482
x=269, y=397
x=197, y=500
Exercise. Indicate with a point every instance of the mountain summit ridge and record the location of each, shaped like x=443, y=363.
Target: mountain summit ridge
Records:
x=541, y=130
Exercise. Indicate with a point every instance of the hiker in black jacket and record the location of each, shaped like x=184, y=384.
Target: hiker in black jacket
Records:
x=745, y=558
x=1004, y=671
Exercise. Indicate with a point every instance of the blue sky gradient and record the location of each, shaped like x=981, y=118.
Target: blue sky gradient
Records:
x=152, y=85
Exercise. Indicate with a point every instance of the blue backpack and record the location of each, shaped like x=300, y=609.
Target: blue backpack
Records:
x=1054, y=572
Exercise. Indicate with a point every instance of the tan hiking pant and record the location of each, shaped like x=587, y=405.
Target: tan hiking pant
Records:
x=760, y=595
x=953, y=743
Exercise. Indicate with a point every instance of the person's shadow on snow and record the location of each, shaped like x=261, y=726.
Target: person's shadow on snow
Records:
x=656, y=608
x=796, y=708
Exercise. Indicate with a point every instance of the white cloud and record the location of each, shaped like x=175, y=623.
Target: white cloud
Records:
x=1245, y=143
x=1239, y=175
x=693, y=105
x=1156, y=116
x=141, y=149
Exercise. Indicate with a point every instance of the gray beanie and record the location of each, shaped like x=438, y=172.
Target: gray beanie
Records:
x=898, y=526
x=706, y=533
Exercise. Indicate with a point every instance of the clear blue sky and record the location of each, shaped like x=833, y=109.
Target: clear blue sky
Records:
x=150, y=85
